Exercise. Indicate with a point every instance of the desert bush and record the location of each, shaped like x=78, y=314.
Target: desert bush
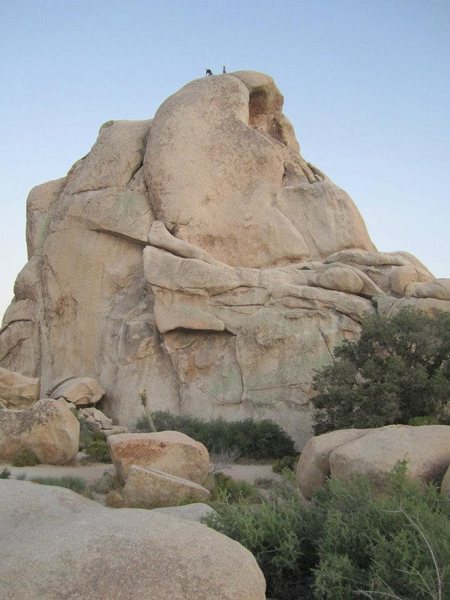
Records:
x=97, y=448
x=287, y=462
x=76, y=484
x=107, y=482
x=426, y=420
x=280, y=532
x=352, y=541
x=222, y=460
x=5, y=473
x=398, y=370
x=231, y=490
x=114, y=499
x=25, y=458
x=392, y=544
x=251, y=439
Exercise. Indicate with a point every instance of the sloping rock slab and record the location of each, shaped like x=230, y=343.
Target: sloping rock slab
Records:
x=150, y=488
x=197, y=511
x=49, y=430
x=81, y=391
x=18, y=391
x=169, y=451
x=76, y=549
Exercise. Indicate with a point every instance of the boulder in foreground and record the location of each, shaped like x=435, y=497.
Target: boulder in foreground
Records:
x=170, y=451
x=75, y=548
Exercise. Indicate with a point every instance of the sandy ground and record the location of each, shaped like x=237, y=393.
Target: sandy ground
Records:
x=92, y=472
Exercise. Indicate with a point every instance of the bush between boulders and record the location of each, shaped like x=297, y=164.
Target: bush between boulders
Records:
x=354, y=540
x=252, y=439
x=26, y=458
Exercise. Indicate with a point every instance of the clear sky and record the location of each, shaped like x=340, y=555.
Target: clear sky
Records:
x=366, y=85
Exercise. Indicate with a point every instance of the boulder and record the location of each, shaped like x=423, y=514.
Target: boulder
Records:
x=192, y=512
x=313, y=467
x=438, y=289
x=80, y=391
x=170, y=451
x=75, y=547
x=95, y=419
x=115, y=430
x=18, y=391
x=48, y=429
x=150, y=488
x=425, y=449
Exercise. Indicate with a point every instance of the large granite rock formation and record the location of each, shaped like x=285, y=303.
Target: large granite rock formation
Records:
x=201, y=257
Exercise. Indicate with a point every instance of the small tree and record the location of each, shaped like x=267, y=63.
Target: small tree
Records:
x=397, y=370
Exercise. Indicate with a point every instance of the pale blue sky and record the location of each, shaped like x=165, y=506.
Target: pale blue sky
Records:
x=366, y=85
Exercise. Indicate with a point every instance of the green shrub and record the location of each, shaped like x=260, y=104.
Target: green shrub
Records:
x=107, y=482
x=354, y=540
x=225, y=488
x=25, y=458
x=280, y=534
x=76, y=484
x=97, y=448
x=5, y=474
x=396, y=542
x=426, y=420
x=398, y=370
x=287, y=462
x=252, y=439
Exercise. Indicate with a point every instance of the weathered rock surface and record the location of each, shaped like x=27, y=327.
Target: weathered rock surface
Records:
x=48, y=429
x=200, y=257
x=95, y=419
x=170, y=451
x=313, y=467
x=375, y=452
x=151, y=488
x=426, y=450
x=18, y=391
x=196, y=511
x=73, y=547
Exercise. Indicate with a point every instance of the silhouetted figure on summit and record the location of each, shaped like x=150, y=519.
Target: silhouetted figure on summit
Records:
x=208, y=72
x=224, y=70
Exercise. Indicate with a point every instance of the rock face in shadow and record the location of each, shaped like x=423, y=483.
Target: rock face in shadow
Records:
x=199, y=256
